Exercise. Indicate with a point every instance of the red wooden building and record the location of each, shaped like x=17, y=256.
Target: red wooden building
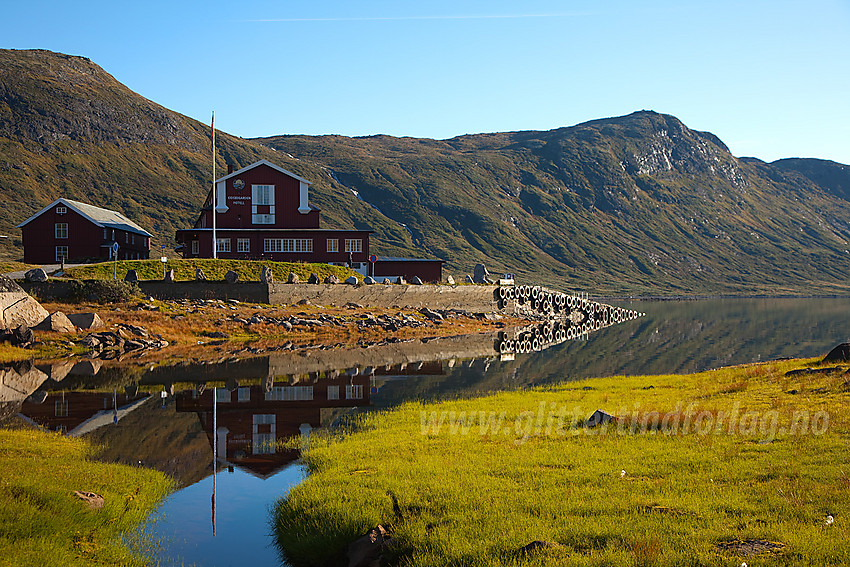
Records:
x=262, y=211
x=78, y=232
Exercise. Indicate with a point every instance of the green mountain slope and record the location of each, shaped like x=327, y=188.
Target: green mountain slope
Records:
x=635, y=204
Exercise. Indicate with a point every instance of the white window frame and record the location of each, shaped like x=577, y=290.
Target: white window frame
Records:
x=273, y=245
x=333, y=245
x=61, y=252
x=243, y=244
x=354, y=245
x=222, y=245
x=354, y=392
x=223, y=396
x=60, y=408
x=290, y=394
x=60, y=210
x=60, y=230
x=333, y=392
x=261, y=196
x=196, y=247
x=243, y=394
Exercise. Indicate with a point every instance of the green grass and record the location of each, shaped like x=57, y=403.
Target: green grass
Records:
x=248, y=270
x=476, y=498
x=7, y=267
x=43, y=523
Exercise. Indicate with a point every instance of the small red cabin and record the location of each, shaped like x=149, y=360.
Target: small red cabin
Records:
x=77, y=232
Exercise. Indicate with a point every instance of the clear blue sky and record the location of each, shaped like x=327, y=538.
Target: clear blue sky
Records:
x=770, y=78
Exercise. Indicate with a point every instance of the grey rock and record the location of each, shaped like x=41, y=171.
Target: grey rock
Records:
x=313, y=279
x=286, y=325
x=450, y=280
x=387, y=281
x=17, y=307
x=598, y=417
x=57, y=322
x=416, y=280
x=401, y=280
x=86, y=321
x=369, y=280
x=841, y=353
x=366, y=551
x=36, y=275
x=352, y=280
x=469, y=279
x=293, y=278
x=332, y=279
x=132, y=276
x=231, y=277
x=480, y=274
x=200, y=275
x=266, y=275
x=169, y=276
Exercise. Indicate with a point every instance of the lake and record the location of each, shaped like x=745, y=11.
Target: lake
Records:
x=162, y=417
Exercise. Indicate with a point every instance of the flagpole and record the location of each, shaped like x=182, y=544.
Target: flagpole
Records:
x=215, y=453
x=214, y=251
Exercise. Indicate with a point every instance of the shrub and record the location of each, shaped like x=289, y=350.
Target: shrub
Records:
x=103, y=291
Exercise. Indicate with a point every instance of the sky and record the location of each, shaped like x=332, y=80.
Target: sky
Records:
x=770, y=78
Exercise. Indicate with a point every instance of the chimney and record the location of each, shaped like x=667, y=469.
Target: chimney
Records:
x=229, y=168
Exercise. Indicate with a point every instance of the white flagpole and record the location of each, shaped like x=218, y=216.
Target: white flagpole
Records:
x=214, y=252
x=215, y=453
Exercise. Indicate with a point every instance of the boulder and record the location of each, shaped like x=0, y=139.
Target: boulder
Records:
x=366, y=550
x=21, y=336
x=86, y=321
x=93, y=500
x=401, y=280
x=313, y=279
x=331, y=279
x=169, y=276
x=19, y=380
x=200, y=276
x=450, y=280
x=481, y=275
x=36, y=275
x=469, y=279
x=293, y=278
x=598, y=417
x=369, y=280
x=266, y=275
x=416, y=280
x=387, y=281
x=131, y=276
x=841, y=353
x=57, y=322
x=57, y=371
x=17, y=307
x=352, y=280
x=231, y=277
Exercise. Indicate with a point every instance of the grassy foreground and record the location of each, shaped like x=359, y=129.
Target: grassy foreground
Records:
x=742, y=453
x=43, y=523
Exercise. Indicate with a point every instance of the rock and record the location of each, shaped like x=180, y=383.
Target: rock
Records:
x=841, y=353
x=231, y=277
x=19, y=380
x=169, y=276
x=369, y=280
x=286, y=325
x=598, y=417
x=401, y=280
x=57, y=322
x=17, y=307
x=481, y=275
x=366, y=550
x=36, y=275
x=387, y=281
x=313, y=279
x=304, y=301
x=94, y=501
x=22, y=336
x=293, y=278
x=57, y=371
x=352, y=280
x=332, y=279
x=200, y=276
x=86, y=368
x=86, y=321
x=131, y=276
x=433, y=315
x=266, y=275
x=450, y=280
x=469, y=279
x=416, y=280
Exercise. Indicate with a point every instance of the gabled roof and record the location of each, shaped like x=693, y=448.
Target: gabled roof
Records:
x=103, y=218
x=263, y=162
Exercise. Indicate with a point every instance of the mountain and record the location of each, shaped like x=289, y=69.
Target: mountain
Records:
x=634, y=204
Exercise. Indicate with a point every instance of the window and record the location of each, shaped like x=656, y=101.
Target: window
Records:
x=333, y=392
x=222, y=245
x=61, y=253
x=290, y=393
x=243, y=244
x=60, y=408
x=333, y=245
x=132, y=239
x=303, y=245
x=354, y=392
x=353, y=245
x=105, y=234
x=61, y=210
x=273, y=245
x=61, y=230
x=126, y=238
x=263, y=438
x=195, y=248
x=288, y=245
x=222, y=395
x=262, y=196
x=244, y=394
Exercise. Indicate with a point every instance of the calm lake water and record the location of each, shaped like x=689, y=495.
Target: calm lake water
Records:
x=162, y=417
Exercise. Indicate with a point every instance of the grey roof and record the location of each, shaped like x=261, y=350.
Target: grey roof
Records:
x=105, y=218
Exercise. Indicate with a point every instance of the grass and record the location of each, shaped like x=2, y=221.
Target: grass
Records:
x=44, y=523
x=10, y=266
x=642, y=491
x=184, y=269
